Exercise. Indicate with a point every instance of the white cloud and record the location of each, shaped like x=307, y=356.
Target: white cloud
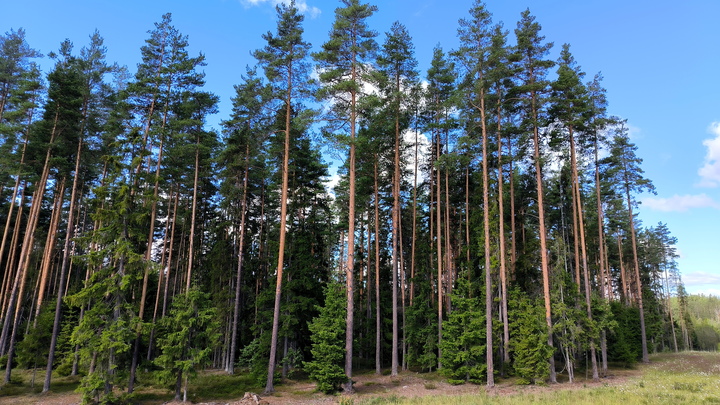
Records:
x=702, y=283
x=301, y=5
x=710, y=172
x=634, y=133
x=680, y=203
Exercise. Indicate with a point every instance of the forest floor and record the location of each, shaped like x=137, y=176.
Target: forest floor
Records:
x=689, y=377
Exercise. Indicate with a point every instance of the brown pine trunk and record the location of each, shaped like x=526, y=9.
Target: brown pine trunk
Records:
x=281, y=244
x=501, y=227
x=414, y=225
x=438, y=238
x=191, y=241
x=586, y=271
x=49, y=248
x=638, y=282
x=395, y=257
x=513, y=249
x=13, y=307
x=350, y=284
x=241, y=256
x=543, y=237
x=623, y=276
x=64, y=267
x=170, y=254
x=486, y=229
x=378, y=341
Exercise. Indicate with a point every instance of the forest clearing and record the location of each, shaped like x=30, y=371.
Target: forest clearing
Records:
x=670, y=378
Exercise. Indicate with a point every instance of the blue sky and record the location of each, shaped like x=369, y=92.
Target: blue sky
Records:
x=660, y=60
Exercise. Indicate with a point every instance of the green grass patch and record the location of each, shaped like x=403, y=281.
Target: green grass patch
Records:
x=210, y=386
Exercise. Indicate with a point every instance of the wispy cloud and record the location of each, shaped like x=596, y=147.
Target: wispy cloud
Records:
x=710, y=172
x=301, y=5
x=698, y=279
x=680, y=203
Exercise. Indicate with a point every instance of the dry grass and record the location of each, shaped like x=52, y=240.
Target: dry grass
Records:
x=684, y=378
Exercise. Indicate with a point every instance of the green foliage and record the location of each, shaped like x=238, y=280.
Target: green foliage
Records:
x=32, y=351
x=463, y=343
x=421, y=325
x=186, y=337
x=328, y=341
x=707, y=336
x=528, y=334
x=624, y=344
x=254, y=357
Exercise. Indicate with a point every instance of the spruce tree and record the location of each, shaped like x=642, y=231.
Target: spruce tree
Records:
x=327, y=342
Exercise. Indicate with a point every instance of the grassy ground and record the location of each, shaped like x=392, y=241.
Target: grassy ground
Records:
x=684, y=378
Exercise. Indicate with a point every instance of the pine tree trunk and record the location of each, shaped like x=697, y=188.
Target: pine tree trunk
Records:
x=395, y=257
x=378, y=323
x=238, y=277
x=501, y=227
x=64, y=268
x=191, y=240
x=281, y=244
x=638, y=282
x=543, y=238
x=41, y=285
x=349, y=271
x=586, y=271
x=438, y=239
x=486, y=230
x=14, y=302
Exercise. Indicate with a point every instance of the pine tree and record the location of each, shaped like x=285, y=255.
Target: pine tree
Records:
x=534, y=69
x=244, y=133
x=441, y=84
x=342, y=64
x=627, y=176
x=284, y=61
x=571, y=107
x=397, y=65
x=475, y=37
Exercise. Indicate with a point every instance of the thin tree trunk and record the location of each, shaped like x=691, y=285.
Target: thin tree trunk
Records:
x=543, y=238
x=16, y=294
x=191, y=241
x=64, y=268
x=414, y=224
x=503, y=269
x=486, y=229
x=281, y=244
x=41, y=285
x=638, y=284
x=438, y=238
x=378, y=341
x=238, y=277
x=350, y=284
x=623, y=276
x=513, y=249
x=586, y=271
x=170, y=254
x=395, y=257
